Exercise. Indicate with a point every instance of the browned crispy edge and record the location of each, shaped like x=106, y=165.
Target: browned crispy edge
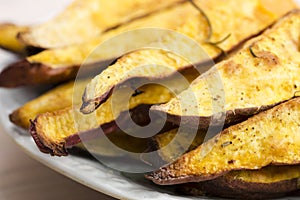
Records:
x=14, y=118
x=228, y=187
x=61, y=149
x=37, y=139
x=138, y=115
x=227, y=118
x=25, y=73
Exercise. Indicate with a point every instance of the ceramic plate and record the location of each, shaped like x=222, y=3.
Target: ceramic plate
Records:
x=86, y=171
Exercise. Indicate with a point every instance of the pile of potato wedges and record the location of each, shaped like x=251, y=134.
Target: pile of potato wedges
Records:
x=240, y=130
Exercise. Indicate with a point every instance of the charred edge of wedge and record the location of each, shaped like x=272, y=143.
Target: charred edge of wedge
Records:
x=139, y=115
x=203, y=122
x=62, y=149
x=156, y=177
x=234, y=188
x=14, y=118
x=26, y=73
x=38, y=141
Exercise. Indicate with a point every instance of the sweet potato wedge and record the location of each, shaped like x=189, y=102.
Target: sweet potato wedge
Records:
x=268, y=182
x=54, y=65
x=264, y=73
x=242, y=26
x=55, y=99
x=85, y=19
x=265, y=183
x=9, y=41
x=54, y=132
x=269, y=138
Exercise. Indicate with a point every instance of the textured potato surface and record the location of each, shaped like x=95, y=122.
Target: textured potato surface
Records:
x=269, y=138
x=84, y=19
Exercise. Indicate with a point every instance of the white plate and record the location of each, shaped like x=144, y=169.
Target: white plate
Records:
x=85, y=171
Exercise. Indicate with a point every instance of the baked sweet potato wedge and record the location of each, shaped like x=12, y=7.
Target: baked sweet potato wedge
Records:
x=85, y=19
x=268, y=182
x=55, y=99
x=56, y=131
x=54, y=65
x=265, y=183
x=206, y=30
x=264, y=73
x=268, y=138
x=9, y=41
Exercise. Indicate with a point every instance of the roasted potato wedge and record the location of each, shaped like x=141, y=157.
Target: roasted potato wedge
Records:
x=148, y=60
x=55, y=99
x=85, y=19
x=206, y=33
x=54, y=132
x=264, y=73
x=60, y=64
x=268, y=138
x=269, y=182
x=9, y=41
